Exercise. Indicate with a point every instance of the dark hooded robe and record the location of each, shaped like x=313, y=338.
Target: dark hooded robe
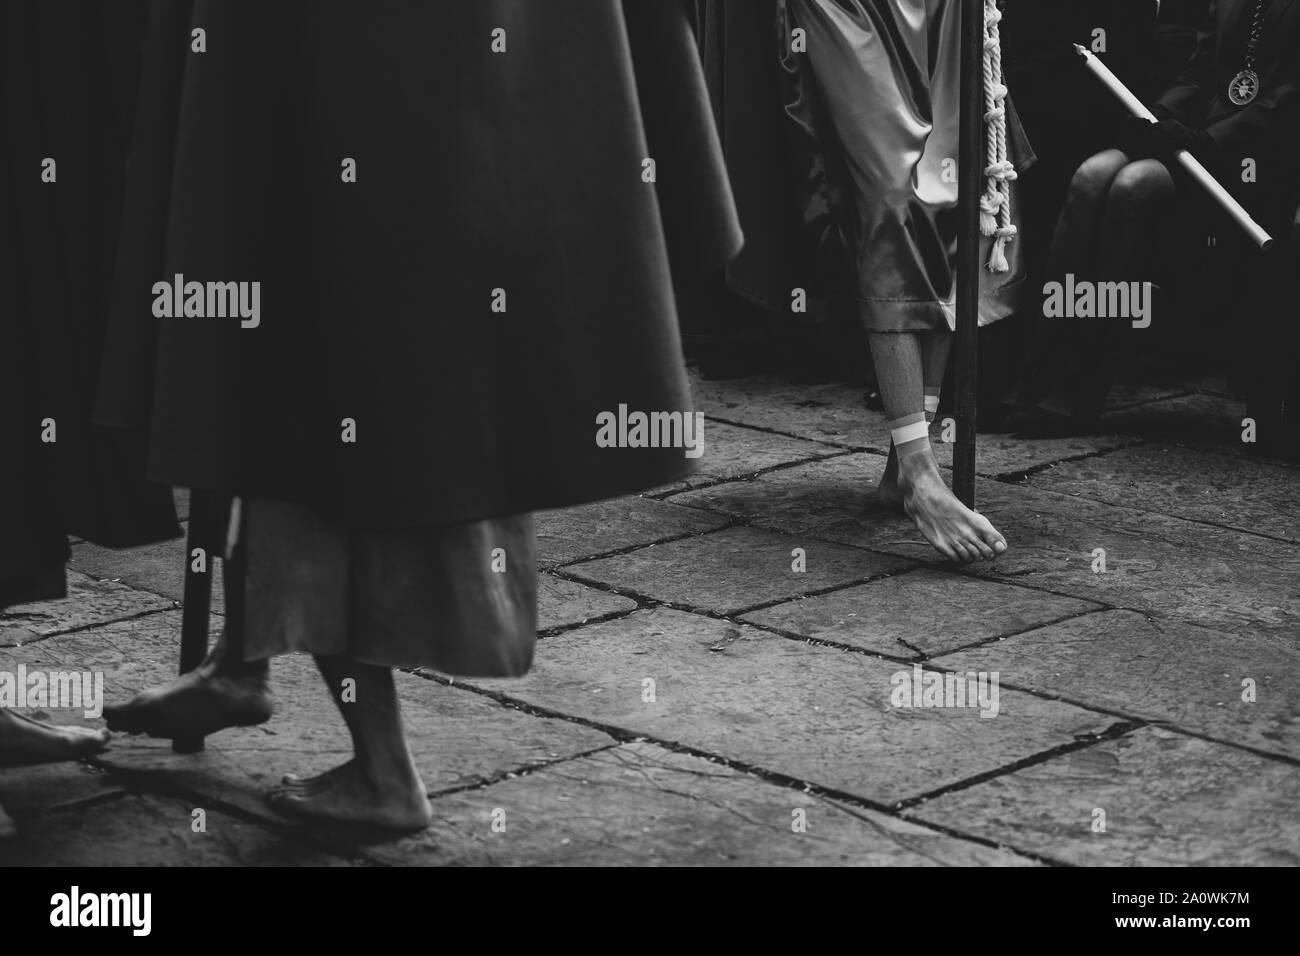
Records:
x=71, y=72
x=498, y=274
x=464, y=221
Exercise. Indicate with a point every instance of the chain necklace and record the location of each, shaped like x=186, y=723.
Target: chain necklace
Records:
x=1245, y=85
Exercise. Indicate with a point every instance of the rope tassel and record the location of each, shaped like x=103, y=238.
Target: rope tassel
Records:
x=995, y=204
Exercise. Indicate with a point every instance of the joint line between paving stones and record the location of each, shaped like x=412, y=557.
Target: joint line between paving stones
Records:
x=1018, y=581
x=846, y=450
x=1015, y=632
x=843, y=446
x=1200, y=522
x=647, y=602
x=823, y=642
x=84, y=803
x=1160, y=722
x=559, y=567
x=752, y=475
x=1265, y=754
x=1113, y=732
x=591, y=621
x=86, y=627
x=732, y=521
x=1015, y=477
x=1234, y=455
x=1151, y=401
x=482, y=782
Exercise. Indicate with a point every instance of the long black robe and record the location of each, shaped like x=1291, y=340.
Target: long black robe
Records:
x=69, y=85
x=476, y=171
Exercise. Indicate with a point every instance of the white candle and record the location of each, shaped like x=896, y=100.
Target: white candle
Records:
x=1185, y=159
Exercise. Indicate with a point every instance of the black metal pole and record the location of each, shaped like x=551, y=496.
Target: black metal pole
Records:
x=198, y=594
x=971, y=173
x=209, y=526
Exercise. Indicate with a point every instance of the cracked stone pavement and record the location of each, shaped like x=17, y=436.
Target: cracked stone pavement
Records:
x=700, y=698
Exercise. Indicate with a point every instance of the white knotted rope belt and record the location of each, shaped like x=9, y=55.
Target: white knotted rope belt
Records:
x=995, y=204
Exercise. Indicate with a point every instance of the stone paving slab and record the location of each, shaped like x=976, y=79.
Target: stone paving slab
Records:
x=735, y=569
x=89, y=602
x=1201, y=574
x=152, y=831
x=836, y=413
x=1126, y=396
x=1157, y=670
x=159, y=568
x=920, y=613
x=1169, y=800
x=131, y=655
x=571, y=534
x=1198, y=573
x=642, y=805
x=1252, y=496
x=805, y=499
x=561, y=603
x=1003, y=455
x=816, y=412
x=1201, y=421
x=812, y=713
x=733, y=452
x=458, y=737
x=51, y=786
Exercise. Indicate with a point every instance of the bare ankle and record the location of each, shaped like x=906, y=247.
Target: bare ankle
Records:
x=914, y=468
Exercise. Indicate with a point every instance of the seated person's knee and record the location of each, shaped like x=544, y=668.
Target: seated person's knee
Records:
x=1141, y=184
x=1094, y=176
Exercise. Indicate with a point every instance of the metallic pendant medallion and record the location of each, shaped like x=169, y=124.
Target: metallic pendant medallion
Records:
x=1244, y=88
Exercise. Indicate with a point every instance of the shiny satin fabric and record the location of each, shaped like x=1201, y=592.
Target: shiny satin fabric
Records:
x=889, y=74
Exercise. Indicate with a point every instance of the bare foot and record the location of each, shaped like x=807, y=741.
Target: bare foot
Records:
x=888, y=493
x=7, y=828
x=195, y=705
x=292, y=781
x=347, y=794
x=24, y=740
x=956, y=532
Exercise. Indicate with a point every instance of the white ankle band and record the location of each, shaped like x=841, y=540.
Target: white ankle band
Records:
x=932, y=404
x=906, y=433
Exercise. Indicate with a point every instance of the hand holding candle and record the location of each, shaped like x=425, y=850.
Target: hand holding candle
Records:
x=1189, y=162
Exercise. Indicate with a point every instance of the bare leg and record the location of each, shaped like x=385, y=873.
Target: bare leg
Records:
x=1051, y=345
x=380, y=785
x=955, y=531
x=1138, y=197
x=1075, y=237
x=935, y=348
x=26, y=740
